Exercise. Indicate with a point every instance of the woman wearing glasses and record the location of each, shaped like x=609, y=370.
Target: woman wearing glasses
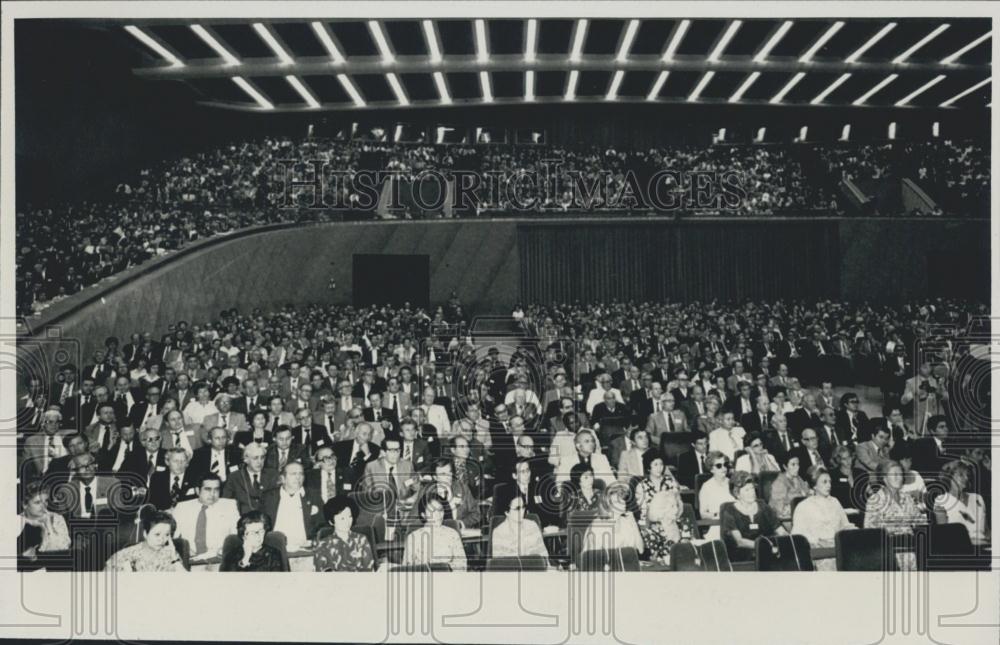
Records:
x=746, y=519
x=787, y=486
x=757, y=459
x=715, y=492
x=516, y=536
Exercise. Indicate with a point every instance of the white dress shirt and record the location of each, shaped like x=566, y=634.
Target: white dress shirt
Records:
x=220, y=522
x=289, y=520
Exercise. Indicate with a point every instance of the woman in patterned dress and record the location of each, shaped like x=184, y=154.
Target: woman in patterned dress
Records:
x=434, y=543
x=893, y=510
x=665, y=524
x=342, y=550
x=156, y=553
x=658, y=479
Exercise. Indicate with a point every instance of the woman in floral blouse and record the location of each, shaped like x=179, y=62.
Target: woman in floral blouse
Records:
x=657, y=479
x=342, y=550
x=156, y=553
x=434, y=543
x=893, y=510
x=665, y=524
x=582, y=495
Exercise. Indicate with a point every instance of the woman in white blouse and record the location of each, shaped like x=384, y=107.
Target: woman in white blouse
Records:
x=959, y=505
x=715, y=492
x=199, y=407
x=820, y=516
x=434, y=543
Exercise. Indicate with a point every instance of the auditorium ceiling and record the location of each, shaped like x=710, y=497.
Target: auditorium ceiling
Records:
x=316, y=65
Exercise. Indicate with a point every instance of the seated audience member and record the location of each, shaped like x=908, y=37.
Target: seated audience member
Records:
x=694, y=462
x=630, y=464
x=852, y=423
x=226, y=417
x=459, y=502
x=469, y=472
x=517, y=536
x=207, y=521
x=200, y=406
x=913, y=483
x=41, y=448
x=820, y=517
x=252, y=554
x=117, y=458
x=890, y=509
x=871, y=453
x=809, y=454
x=88, y=492
x=665, y=525
x=727, y=438
x=930, y=453
x=667, y=419
x=959, y=505
x=614, y=527
x=585, y=445
x=746, y=519
x=326, y=480
x=658, y=480
x=757, y=459
x=780, y=442
x=42, y=531
x=415, y=448
x=257, y=433
x=564, y=440
x=715, y=492
x=296, y=510
x=709, y=421
x=434, y=543
x=155, y=553
x=216, y=457
x=842, y=477
x=581, y=495
x=174, y=484
x=787, y=486
x=537, y=492
x=284, y=450
x=342, y=549
x=59, y=468
x=355, y=454
x=391, y=474
x=175, y=436
x=247, y=485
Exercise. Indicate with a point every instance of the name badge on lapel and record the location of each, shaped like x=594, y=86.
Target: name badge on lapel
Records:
x=347, y=486
x=754, y=527
x=233, y=468
x=313, y=510
x=160, y=469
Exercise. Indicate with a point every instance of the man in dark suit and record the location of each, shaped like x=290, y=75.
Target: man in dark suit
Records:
x=742, y=404
x=100, y=370
x=780, y=442
x=151, y=459
x=217, y=457
x=284, y=450
x=415, y=448
x=375, y=413
x=248, y=484
x=250, y=401
x=534, y=486
x=694, y=406
x=759, y=420
x=61, y=468
x=72, y=406
x=809, y=453
x=173, y=485
x=145, y=410
x=930, y=453
x=365, y=387
x=328, y=480
x=808, y=416
x=852, y=424
x=638, y=398
x=306, y=433
x=827, y=433
x=296, y=511
x=354, y=454
x=693, y=463
x=612, y=418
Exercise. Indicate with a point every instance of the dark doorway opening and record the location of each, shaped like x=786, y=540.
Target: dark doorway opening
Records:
x=384, y=279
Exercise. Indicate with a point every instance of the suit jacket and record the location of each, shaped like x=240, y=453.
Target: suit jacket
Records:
x=310, y=501
x=387, y=414
x=421, y=454
x=314, y=482
x=138, y=413
x=869, y=455
x=825, y=445
x=437, y=416
x=751, y=422
x=658, y=424
x=201, y=462
x=353, y=472
x=733, y=404
x=406, y=480
x=235, y=421
x=461, y=504
x=243, y=405
x=138, y=463
x=844, y=427
x=775, y=446
x=182, y=398
x=403, y=403
x=928, y=460
x=71, y=505
x=239, y=486
x=160, y=494
x=93, y=431
x=299, y=453
x=806, y=462
x=687, y=468
x=35, y=449
x=800, y=419
x=690, y=410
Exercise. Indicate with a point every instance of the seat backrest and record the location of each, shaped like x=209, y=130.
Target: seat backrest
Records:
x=230, y=544
x=950, y=540
x=688, y=517
x=864, y=550
x=626, y=559
x=684, y=556
x=715, y=556
x=183, y=550
x=795, y=502
x=421, y=568
x=766, y=479
x=577, y=524
x=783, y=553
x=278, y=540
x=514, y=563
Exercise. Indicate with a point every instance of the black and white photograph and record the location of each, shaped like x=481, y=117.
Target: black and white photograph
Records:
x=406, y=294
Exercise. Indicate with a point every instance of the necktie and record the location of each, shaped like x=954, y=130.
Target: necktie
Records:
x=392, y=402
x=88, y=500
x=107, y=437
x=282, y=459
x=256, y=482
x=152, y=464
x=670, y=422
x=215, y=465
x=200, y=530
x=225, y=420
x=408, y=452
x=377, y=414
x=784, y=441
x=175, y=490
x=392, y=470
x=331, y=485
x=657, y=406
x=177, y=439
x=51, y=451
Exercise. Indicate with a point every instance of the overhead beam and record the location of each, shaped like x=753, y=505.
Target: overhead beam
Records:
x=208, y=68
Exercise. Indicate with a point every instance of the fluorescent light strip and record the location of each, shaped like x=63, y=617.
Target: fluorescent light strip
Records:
x=920, y=43
x=870, y=93
x=777, y=98
x=702, y=84
x=432, y=42
x=397, y=89
x=871, y=43
x=961, y=52
x=399, y=133
x=966, y=92
x=324, y=37
x=578, y=36
x=531, y=40
x=529, y=85
x=630, y=32
x=303, y=91
x=892, y=130
x=917, y=92
x=154, y=44
x=761, y=133
x=218, y=47
x=675, y=42
x=657, y=86
x=615, y=83
x=252, y=91
x=272, y=42
x=845, y=134
x=734, y=26
x=352, y=91
x=824, y=39
x=442, y=88
x=484, y=83
x=381, y=41
x=482, y=51
x=829, y=90
x=773, y=42
x=571, y=85
x=738, y=94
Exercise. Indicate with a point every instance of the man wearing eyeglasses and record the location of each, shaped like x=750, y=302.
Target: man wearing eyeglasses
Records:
x=41, y=448
x=853, y=425
x=392, y=471
x=90, y=491
x=327, y=481
x=809, y=453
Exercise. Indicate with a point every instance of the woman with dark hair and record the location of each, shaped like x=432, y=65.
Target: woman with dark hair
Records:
x=746, y=519
x=665, y=525
x=517, y=536
x=820, y=516
x=257, y=433
x=958, y=504
x=890, y=509
x=200, y=406
x=913, y=483
x=757, y=459
x=252, y=554
x=787, y=486
x=714, y=492
x=582, y=495
x=658, y=478
x=156, y=552
x=434, y=543
x=342, y=550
